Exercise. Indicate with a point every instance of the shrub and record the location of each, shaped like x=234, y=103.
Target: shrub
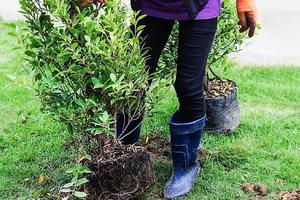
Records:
x=87, y=63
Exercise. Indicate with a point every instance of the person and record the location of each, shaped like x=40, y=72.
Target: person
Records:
x=197, y=27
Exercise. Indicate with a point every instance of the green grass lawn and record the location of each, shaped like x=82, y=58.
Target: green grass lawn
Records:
x=265, y=149
x=31, y=144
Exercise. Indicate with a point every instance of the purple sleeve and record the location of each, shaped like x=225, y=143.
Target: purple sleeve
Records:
x=175, y=9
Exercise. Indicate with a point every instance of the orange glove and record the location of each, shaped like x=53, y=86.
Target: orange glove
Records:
x=86, y=2
x=247, y=14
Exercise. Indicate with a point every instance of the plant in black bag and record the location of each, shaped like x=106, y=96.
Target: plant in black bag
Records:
x=222, y=104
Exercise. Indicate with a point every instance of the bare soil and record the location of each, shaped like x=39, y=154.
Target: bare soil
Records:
x=290, y=195
x=260, y=191
x=217, y=87
x=158, y=146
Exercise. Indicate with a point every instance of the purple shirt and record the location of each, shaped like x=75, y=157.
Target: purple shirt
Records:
x=175, y=9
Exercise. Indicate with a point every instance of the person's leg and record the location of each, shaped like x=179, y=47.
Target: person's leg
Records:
x=195, y=40
x=155, y=36
x=187, y=124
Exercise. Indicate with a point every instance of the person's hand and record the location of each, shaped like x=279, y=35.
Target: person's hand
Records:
x=86, y=2
x=247, y=14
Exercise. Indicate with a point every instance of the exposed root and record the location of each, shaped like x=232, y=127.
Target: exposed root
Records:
x=119, y=172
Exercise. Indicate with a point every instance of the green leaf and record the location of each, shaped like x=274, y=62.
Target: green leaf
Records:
x=74, y=45
x=80, y=194
x=65, y=190
x=141, y=27
x=82, y=181
x=68, y=185
x=105, y=116
x=113, y=77
x=80, y=102
x=84, y=170
x=87, y=38
x=97, y=83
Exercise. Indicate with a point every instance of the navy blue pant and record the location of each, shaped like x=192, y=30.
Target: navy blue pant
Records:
x=195, y=40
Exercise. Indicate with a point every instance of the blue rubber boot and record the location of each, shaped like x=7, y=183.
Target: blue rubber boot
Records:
x=185, y=140
x=128, y=133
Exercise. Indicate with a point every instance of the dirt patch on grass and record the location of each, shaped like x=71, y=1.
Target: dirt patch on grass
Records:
x=255, y=190
x=291, y=195
x=159, y=147
x=260, y=191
